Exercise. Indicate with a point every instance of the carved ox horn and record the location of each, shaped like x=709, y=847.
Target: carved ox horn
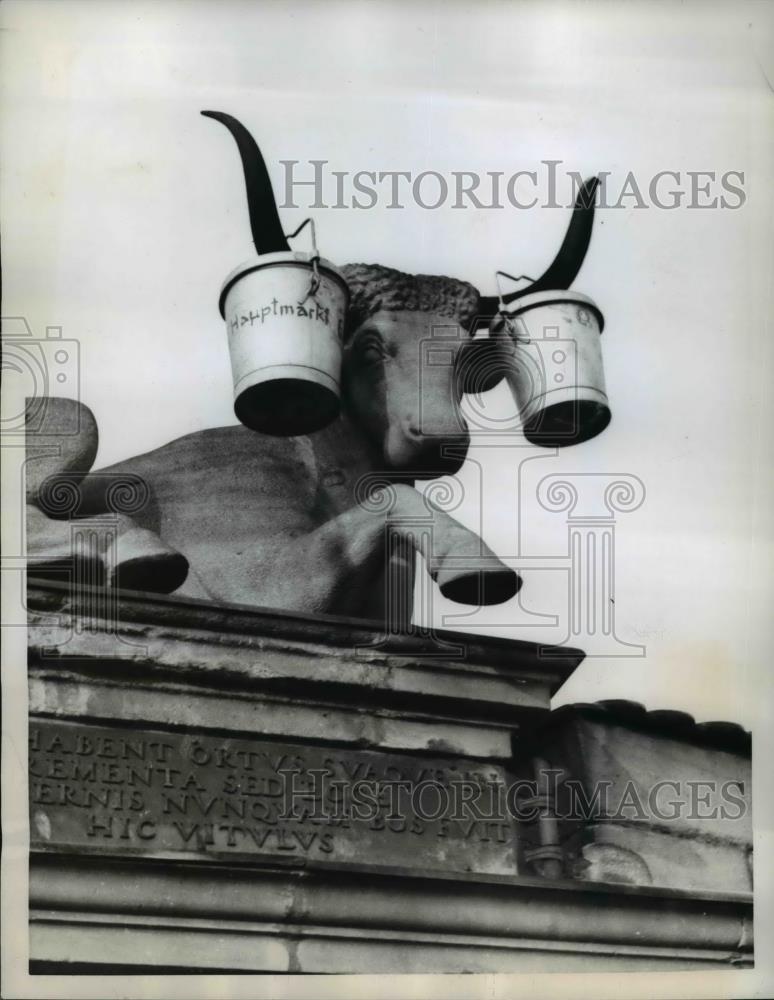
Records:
x=485, y=360
x=265, y=224
x=565, y=266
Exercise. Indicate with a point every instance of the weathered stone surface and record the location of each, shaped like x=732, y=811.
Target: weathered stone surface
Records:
x=171, y=662
x=685, y=789
x=691, y=863
x=645, y=798
x=179, y=947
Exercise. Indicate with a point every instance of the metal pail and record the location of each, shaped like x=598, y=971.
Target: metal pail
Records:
x=556, y=373
x=285, y=315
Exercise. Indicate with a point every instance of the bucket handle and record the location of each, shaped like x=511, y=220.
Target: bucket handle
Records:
x=509, y=322
x=564, y=269
x=314, y=284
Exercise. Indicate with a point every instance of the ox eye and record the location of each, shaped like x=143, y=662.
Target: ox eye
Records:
x=370, y=351
x=372, y=354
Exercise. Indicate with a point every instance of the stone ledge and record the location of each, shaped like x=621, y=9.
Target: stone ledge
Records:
x=430, y=915
x=70, y=696
x=241, y=948
x=121, y=656
x=501, y=657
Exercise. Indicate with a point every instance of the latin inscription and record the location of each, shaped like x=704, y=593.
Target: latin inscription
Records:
x=167, y=793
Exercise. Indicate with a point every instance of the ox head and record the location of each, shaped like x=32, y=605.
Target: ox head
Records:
x=401, y=376
x=410, y=353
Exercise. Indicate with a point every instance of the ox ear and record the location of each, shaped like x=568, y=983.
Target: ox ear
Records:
x=267, y=231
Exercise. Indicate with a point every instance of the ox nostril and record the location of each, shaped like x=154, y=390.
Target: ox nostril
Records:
x=413, y=429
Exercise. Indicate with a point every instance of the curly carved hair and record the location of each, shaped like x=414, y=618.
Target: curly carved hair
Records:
x=373, y=287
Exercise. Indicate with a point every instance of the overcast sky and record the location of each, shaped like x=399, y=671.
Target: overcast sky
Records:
x=123, y=210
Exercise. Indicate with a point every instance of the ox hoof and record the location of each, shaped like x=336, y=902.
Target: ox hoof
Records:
x=142, y=561
x=479, y=587
x=159, y=574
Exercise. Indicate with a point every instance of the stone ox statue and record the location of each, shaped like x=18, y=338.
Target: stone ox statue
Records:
x=309, y=524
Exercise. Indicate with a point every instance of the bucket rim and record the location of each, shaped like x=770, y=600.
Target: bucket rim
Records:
x=558, y=297
x=298, y=258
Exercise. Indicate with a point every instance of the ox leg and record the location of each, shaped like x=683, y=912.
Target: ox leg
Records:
x=339, y=566
x=111, y=551
x=61, y=448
